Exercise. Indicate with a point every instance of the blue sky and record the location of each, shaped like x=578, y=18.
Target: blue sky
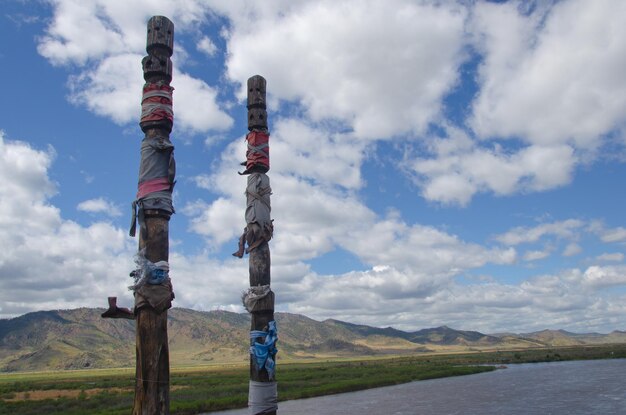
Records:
x=433, y=163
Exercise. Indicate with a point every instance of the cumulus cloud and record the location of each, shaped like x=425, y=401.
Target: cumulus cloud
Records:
x=572, y=249
x=100, y=205
x=599, y=276
x=571, y=299
x=196, y=107
x=105, y=40
x=375, y=72
x=548, y=95
x=49, y=262
x=24, y=169
x=382, y=72
x=416, y=247
x=615, y=256
x=551, y=77
x=536, y=255
x=456, y=168
x=46, y=261
x=381, y=69
x=613, y=235
x=112, y=89
x=219, y=221
x=204, y=283
x=327, y=157
x=567, y=229
x=206, y=45
x=316, y=211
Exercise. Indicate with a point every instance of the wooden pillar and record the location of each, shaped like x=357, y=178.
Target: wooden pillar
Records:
x=259, y=300
x=152, y=395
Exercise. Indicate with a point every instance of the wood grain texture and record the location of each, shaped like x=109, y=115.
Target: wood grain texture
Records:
x=152, y=370
x=260, y=256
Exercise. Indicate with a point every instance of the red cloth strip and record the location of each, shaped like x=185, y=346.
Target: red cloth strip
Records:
x=154, y=185
x=156, y=103
x=258, y=149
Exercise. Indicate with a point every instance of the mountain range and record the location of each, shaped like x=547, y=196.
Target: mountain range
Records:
x=80, y=338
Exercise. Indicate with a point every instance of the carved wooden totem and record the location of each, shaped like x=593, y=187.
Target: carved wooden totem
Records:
x=259, y=299
x=153, y=207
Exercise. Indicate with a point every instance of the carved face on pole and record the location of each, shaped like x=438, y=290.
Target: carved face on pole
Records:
x=160, y=35
x=257, y=114
x=256, y=92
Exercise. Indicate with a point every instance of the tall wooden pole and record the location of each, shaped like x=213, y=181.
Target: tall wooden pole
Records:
x=153, y=290
x=259, y=299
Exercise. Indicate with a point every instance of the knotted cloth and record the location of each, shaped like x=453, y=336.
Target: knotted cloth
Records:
x=157, y=169
x=157, y=173
x=263, y=354
x=156, y=102
x=152, y=285
x=251, y=297
x=258, y=152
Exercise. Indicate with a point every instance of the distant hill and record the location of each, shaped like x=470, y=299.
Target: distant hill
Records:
x=80, y=338
x=566, y=338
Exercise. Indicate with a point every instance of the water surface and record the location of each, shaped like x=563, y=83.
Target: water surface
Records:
x=558, y=388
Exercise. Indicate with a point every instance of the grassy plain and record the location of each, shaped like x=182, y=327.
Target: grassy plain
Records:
x=209, y=388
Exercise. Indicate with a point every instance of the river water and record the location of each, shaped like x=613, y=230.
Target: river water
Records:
x=558, y=388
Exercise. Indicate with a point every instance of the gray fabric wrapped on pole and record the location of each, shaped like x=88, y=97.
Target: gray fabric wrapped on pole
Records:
x=157, y=174
x=157, y=161
x=251, y=298
x=259, y=227
x=159, y=296
x=258, y=191
x=262, y=397
x=155, y=200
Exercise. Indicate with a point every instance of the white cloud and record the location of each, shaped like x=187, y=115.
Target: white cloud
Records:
x=331, y=159
x=25, y=171
x=196, y=107
x=81, y=31
x=572, y=249
x=207, y=46
x=416, y=247
x=49, y=262
x=615, y=256
x=46, y=261
x=457, y=168
x=614, y=235
x=549, y=91
x=316, y=210
x=78, y=33
x=112, y=89
x=99, y=205
x=375, y=74
x=567, y=229
x=536, y=255
x=598, y=276
x=374, y=71
x=572, y=299
x=204, y=283
x=106, y=41
x=219, y=221
x=553, y=77
x=382, y=69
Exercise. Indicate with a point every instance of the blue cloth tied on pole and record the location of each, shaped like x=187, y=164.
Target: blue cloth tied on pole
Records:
x=264, y=353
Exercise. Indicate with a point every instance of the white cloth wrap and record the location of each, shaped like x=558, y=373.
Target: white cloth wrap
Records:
x=253, y=295
x=262, y=397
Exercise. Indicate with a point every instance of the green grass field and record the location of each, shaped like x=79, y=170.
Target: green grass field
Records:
x=203, y=389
